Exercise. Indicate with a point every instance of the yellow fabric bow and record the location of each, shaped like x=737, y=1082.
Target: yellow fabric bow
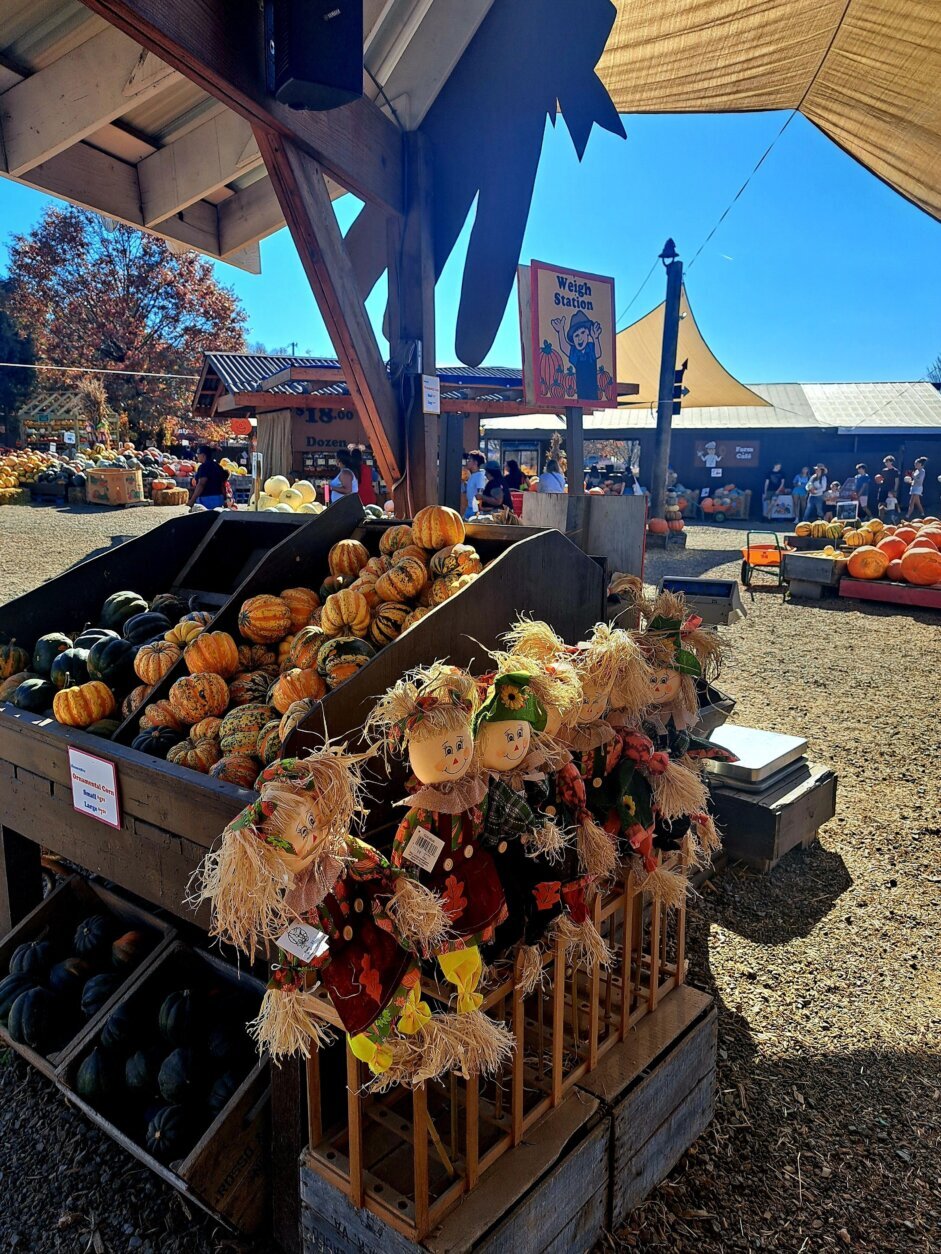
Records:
x=415, y=1013
x=463, y=968
x=377, y=1057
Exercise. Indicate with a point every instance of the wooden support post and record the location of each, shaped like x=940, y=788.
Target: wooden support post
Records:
x=519, y=1033
x=21, y=870
x=302, y=193
x=575, y=449
x=472, y=1131
x=288, y=1139
x=411, y=322
x=671, y=335
x=450, y=459
x=558, y=1020
x=354, y=1109
x=420, y=1133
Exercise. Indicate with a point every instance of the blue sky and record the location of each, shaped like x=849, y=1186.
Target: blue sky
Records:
x=820, y=271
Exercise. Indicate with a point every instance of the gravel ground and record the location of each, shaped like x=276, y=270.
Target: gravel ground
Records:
x=826, y=1134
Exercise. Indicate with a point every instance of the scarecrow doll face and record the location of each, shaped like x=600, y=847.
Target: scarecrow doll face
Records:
x=593, y=705
x=664, y=685
x=440, y=756
x=504, y=723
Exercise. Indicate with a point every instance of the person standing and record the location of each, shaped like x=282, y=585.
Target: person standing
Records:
x=209, y=482
x=816, y=487
x=774, y=483
x=861, y=486
x=344, y=482
x=799, y=490
x=552, y=479
x=474, y=465
x=494, y=495
x=888, y=480
x=513, y=476
x=917, y=488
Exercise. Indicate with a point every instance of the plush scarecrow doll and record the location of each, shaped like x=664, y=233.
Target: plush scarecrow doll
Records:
x=428, y=715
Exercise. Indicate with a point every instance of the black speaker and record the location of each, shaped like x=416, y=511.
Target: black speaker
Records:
x=314, y=52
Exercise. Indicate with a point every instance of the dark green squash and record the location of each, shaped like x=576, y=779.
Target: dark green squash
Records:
x=47, y=650
x=143, y=627
x=120, y=607
x=222, y=1092
x=93, y=936
x=105, y=727
x=128, y=950
x=179, y=1017
x=121, y=1029
x=31, y=958
x=32, y=1019
x=69, y=977
x=168, y=1132
x=98, y=1079
x=97, y=991
x=11, y=986
x=91, y=635
x=112, y=661
x=141, y=1071
x=172, y=606
x=157, y=742
x=177, y=1079
x=69, y=668
x=34, y=695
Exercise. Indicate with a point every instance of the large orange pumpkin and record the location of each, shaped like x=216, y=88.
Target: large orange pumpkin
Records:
x=264, y=619
x=345, y=613
x=436, y=526
x=867, y=562
x=891, y=546
x=921, y=566
x=212, y=651
x=347, y=557
x=395, y=538
x=297, y=685
x=155, y=660
x=658, y=526
x=906, y=533
x=84, y=704
x=195, y=697
x=927, y=535
x=301, y=602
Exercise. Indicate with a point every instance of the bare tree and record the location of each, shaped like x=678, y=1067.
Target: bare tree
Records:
x=934, y=371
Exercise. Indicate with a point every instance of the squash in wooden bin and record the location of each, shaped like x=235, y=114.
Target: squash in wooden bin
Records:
x=295, y=713
x=456, y=559
x=84, y=704
x=437, y=526
x=159, y=714
x=240, y=728
x=198, y=755
x=296, y=685
x=388, y=623
x=305, y=646
x=342, y=657
x=155, y=660
x=237, y=768
x=377, y=566
x=366, y=587
x=416, y=551
x=264, y=619
x=249, y=687
x=195, y=697
x=301, y=602
x=213, y=652
x=395, y=538
x=416, y=616
x=403, y=582
x=206, y=729
x=183, y=633
x=345, y=613
x=268, y=742
x=347, y=557
x=255, y=657
x=13, y=660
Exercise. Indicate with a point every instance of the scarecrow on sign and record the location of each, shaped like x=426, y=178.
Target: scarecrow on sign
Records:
x=580, y=345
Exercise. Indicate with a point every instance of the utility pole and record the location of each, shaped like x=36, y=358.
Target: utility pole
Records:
x=665, y=394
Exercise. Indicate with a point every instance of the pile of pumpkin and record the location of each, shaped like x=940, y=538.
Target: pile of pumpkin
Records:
x=821, y=530
x=51, y=990
x=907, y=553
x=242, y=698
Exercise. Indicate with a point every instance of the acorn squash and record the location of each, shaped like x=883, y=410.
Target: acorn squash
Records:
x=119, y=608
x=69, y=977
x=98, y=1079
x=157, y=742
x=32, y=1018
x=98, y=990
x=141, y=1071
x=32, y=958
x=93, y=936
x=140, y=628
x=11, y=986
x=121, y=1028
x=168, y=1133
x=34, y=695
x=177, y=1079
x=179, y=1018
x=47, y=650
x=112, y=661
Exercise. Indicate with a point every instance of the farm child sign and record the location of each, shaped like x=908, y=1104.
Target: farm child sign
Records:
x=567, y=331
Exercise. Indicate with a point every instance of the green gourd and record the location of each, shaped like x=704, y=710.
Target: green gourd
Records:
x=177, y=1079
x=69, y=668
x=120, y=607
x=31, y=958
x=47, y=650
x=178, y=1019
x=31, y=1019
x=97, y=991
x=11, y=986
x=141, y=1071
x=167, y=1133
x=98, y=1079
x=34, y=695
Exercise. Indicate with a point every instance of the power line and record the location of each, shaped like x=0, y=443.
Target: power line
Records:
x=140, y=374
x=628, y=306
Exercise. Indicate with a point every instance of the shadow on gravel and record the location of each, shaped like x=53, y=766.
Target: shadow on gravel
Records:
x=872, y=609
x=104, y=548
x=690, y=563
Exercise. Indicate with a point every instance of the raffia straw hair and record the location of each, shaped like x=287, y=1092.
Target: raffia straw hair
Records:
x=530, y=969
x=334, y=782
x=418, y=915
x=415, y=1059
x=678, y=792
x=597, y=854
x=548, y=841
x=705, y=643
x=630, y=690
x=245, y=880
x=288, y=1024
x=582, y=943
x=397, y=717
x=598, y=660
x=709, y=840
x=555, y=684
x=534, y=639
x=474, y=1043
x=668, y=887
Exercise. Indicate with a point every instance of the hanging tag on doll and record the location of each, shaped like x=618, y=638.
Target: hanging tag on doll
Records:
x=304, y=942
x=423, y=849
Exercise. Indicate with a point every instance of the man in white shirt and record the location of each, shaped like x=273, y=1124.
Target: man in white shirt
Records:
x=474, y=464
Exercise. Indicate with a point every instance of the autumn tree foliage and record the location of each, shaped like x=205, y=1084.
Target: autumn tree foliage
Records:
x=16, y=384
x=93, y=293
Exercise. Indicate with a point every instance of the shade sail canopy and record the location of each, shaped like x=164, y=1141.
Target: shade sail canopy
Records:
x=867, y=72
x=709, y=383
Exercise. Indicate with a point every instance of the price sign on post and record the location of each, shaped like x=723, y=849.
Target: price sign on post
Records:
x=431, y=394
x=52, y=446
x=94, y=787
x=69, y=437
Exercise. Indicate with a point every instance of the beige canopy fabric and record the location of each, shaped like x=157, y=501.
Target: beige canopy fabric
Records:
x=274, y=442
x=867, y=72
x=709, y=383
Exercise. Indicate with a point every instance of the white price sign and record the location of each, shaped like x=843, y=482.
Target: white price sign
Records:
x=431, y=394
x=94, y=787
x=303, y=941
x=69, y=437
x=52, y=446
x=424, y=849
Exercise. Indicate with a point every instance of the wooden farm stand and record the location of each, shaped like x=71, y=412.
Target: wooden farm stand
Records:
x=170, y=816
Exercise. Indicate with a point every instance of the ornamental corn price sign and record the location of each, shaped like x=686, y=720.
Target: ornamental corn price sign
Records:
x=568, y=336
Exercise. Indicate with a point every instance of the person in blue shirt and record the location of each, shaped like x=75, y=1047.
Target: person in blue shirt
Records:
x=581, y=348
x=861, y=488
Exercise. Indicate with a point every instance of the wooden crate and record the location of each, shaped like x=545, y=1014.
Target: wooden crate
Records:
x=760, y=828
x=227, y=1170
x=55, y=919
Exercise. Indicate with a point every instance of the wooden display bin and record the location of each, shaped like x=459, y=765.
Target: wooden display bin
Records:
x=227, y=1168
x=55, y=919
x=114, y=486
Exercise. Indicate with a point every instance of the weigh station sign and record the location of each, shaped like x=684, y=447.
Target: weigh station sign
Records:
x=567, y=332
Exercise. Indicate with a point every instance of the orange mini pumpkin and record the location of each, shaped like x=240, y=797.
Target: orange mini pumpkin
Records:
x=366, y=587
x=249, y=687
x=159, y=714
x=206, y=729
x=403, y=582
x=212, y=651
x=377, y=566
x=395, y=538
x=84, y=704
x=347, y=557
x=388, y=623
x=306, y=646
x=437, y=526
x=456, y=559
x=301, y=602
x=155, y=660
x=195, y=697
x=297, y=685
x=264, y=619
x=237, y=768
x=345, y=613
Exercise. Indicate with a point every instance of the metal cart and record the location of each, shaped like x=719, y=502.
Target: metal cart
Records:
x=763, y=555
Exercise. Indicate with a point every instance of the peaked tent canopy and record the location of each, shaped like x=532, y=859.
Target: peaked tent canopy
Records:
x=867, y=72
x=708, y=381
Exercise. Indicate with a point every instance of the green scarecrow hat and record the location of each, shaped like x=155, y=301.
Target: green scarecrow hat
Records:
x=670, y=632
x=510, y=700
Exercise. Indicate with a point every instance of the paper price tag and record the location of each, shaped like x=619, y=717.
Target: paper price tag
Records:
x=423, y=849
x=303, y=942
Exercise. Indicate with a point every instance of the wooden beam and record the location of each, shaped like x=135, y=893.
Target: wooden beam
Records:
x=305, y=203
x=303, y=374
x=251, y=215
x=90, y=86
x=218, y=45
x=213, y=154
